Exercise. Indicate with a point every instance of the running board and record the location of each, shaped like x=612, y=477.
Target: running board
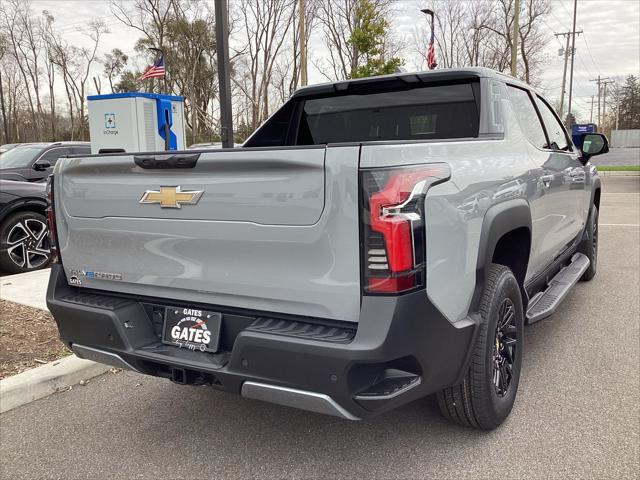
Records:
x=545, y=303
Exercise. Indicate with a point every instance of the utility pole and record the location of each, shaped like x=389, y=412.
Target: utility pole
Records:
x=599, y=81
x=591, y=116
x=573, y=49
x=514, y=42
x=564, y=72
x=224, y=80
x=303, y=44
x=604, y=100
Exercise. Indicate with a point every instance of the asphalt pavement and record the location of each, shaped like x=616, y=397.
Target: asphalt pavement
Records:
x=577, y=414
x=618, y=156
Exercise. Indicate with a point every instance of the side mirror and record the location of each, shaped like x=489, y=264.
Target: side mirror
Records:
x=593, y=144
x=42, y=165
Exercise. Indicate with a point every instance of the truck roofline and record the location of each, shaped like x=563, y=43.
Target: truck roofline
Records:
x=441, y=75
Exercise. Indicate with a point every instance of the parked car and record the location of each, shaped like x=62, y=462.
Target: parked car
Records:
x=33, y=162
x=7, y=146
x=375, y=241
x=199, y=146
x=24, y=242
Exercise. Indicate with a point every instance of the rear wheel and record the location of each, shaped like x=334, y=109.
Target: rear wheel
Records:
x=589, y=245
x=24, y=243
x=488, y=391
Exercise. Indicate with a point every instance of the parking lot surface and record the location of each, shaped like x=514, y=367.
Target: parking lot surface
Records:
x=618, y=156
x=577, y=414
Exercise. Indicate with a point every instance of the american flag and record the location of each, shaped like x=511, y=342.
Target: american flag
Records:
x=431, y=53
x=155, y=70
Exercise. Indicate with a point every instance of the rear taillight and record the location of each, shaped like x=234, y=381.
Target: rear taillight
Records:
x=51, y=221
x=393, y=229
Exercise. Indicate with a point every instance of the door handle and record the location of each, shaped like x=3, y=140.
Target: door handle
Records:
x=167, y=161
x=546, y=180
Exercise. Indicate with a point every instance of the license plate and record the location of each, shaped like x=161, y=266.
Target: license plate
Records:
x=192, y=328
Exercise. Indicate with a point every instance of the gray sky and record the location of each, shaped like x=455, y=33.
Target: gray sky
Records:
x=610, y=45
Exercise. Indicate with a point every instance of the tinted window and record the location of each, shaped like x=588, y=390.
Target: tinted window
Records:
x=424, y=113
x=274, y=133
x=54, y=154
x=555, y=130
x=82, y=150
x=528, y=117
x=20, y=156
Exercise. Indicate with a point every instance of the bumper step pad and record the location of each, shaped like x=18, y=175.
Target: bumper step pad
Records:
x=303, y=330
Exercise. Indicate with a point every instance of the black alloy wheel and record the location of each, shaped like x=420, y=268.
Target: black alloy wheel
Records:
x=504, y=351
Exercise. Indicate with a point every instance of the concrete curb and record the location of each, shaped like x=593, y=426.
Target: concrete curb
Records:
x=42, y=381
x=613, y=173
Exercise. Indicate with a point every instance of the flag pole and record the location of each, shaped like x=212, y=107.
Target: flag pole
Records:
x=162, y=56
x=431, y=58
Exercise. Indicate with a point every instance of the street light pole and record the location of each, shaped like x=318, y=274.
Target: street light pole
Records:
x=431, y=54
x=224, y=79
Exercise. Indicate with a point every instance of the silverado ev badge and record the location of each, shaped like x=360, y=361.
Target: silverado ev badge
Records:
x=171, y=197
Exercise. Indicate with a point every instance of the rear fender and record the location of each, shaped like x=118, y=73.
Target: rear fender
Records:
x=499, y=219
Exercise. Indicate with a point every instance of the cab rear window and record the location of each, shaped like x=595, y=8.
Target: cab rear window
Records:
x=436, y=112
x=410, y=113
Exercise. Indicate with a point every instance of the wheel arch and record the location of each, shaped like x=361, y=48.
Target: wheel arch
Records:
x=595, y=193
x=24, y=205
x=506, y=224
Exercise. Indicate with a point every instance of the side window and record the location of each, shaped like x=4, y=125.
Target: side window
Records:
x=529, y=120
x=55, y=153
x=82, y=150
x=555, y=130
x=275, y=131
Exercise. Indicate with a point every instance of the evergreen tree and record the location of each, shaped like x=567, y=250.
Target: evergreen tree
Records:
x=630, y=104
x=368, y=38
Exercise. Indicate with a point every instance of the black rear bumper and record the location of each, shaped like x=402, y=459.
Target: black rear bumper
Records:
x=403, y=337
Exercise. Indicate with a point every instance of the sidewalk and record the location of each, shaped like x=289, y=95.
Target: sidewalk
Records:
x=30, y=289
x=26, y=288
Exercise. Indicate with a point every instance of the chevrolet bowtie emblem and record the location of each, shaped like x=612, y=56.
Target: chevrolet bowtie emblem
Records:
x=171, y=197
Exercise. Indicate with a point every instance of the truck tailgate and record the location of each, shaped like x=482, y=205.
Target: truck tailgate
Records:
x=272, y=230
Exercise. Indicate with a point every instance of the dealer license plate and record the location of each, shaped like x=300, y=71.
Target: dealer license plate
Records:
x=192, y=328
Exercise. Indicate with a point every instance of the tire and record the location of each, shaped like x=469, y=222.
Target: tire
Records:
x=482, y=401
x=24, y=243
x=589, y=245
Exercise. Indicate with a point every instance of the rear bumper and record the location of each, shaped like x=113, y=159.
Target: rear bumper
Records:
x=403, y=349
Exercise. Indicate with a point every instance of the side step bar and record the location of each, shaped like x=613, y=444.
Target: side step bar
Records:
x=291, y=397
x=545, y=303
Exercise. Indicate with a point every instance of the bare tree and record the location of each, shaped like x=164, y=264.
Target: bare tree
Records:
x=114, y=63
x=532, y=37
x=75, y=65
x=479, y=33
x=11, y=16
x=46, y=25
x=266, y=25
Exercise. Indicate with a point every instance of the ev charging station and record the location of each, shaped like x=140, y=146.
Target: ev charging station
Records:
x=136, y=122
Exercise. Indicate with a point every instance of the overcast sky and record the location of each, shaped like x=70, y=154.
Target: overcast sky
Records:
x=610, y=45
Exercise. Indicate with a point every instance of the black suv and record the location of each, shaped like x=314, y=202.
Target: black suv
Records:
x=33, y=162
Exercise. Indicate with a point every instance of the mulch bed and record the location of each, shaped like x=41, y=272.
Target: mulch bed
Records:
x=28, y=338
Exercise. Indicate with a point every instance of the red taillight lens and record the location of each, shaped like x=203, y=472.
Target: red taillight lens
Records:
x=393, y=225
x=51, y=221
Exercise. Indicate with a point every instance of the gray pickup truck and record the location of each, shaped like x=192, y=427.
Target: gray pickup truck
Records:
x=373, y=242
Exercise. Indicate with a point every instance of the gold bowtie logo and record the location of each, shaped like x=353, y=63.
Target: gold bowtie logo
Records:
x=171, y=197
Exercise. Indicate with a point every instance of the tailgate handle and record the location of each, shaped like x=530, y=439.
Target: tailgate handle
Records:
x=167, y=161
